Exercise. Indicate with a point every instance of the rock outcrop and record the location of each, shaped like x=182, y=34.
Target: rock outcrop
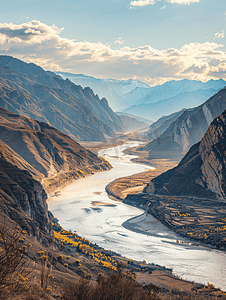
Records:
x=22, y=198
x=202, y=172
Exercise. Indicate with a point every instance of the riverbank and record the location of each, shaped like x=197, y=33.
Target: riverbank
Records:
x=118, y=141
x=84, y=203
x=88, y=260
x=54, y=184
x=119, y=188
x=201, y=220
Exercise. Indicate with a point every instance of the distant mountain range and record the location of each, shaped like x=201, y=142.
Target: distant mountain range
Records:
x=156, y=110
x=139, y=99
x=202, y=172
x=111, y=89
x=187, y=129
x=174, y=88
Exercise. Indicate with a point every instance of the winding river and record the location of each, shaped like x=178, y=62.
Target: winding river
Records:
x=103, y=225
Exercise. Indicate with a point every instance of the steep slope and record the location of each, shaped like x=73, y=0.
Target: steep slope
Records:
x=156, y=110
x=202, y=172
x=48, y=154
x=137, y=95
x=133, y=123
x=112, y=89
x=188, y=129
x=162, y=124
x=70, y=108
x=99, y=87
x=22, y=198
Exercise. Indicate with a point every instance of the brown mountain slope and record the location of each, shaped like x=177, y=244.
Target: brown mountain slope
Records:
x=46, y=152
x=22, y=198
x=44, y=96
x=202, y=172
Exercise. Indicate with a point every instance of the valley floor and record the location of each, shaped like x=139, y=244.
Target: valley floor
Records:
x=134, y=184
x=71, y=263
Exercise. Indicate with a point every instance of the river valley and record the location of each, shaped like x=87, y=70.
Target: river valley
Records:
x=84, y=207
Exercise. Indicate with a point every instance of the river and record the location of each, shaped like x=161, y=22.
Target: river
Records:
x=103, y=225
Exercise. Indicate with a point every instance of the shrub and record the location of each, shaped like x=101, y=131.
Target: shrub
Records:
x=13, y=266
x=60, y=258
x=113, y=287
x=77, y=262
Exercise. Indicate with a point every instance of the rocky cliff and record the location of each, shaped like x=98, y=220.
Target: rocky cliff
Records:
x=201, y=172
x=22, y=198
x=187, y=129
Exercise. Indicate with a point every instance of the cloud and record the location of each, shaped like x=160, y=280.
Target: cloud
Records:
x=152, y=2
x=42, y=44
x=184, y=2
x=119, y=41
x=164, y=6
x=219, y=35
x=142, y=2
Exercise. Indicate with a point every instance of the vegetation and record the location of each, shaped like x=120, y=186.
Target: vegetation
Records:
x=84, y=246
x=14, y=276
x=113, y=287
x=114, y=284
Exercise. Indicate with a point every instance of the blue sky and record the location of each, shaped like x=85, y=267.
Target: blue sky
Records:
x=151, y=40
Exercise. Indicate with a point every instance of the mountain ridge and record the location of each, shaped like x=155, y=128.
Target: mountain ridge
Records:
x=202, y=171
x=188, y=128
x=77, y=106
x=49, y=155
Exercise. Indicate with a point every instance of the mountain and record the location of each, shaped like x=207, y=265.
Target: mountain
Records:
x=112, y=89
x=134, y=97
x=187, y=129
x=174, y=88
x=161, y=125
x=170, y=89
x=27, y=89
x=22, y=198
x=137, y=95
x=52, y=157
x=156, y=110
x=133, y=123
x=202, y=172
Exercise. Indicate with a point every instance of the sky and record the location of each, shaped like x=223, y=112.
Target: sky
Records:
x=153, y=41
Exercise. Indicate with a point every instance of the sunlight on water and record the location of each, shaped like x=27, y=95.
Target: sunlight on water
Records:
x=103, y=225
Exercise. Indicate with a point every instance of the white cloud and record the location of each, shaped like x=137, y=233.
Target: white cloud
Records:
x=219, y=35
x=152, y=2
x=185, y=2
x=119, y=41
x=42, y=44
x=142, y=2
x=164, y=6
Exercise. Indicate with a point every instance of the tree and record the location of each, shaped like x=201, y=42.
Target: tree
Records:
x=13, y=265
